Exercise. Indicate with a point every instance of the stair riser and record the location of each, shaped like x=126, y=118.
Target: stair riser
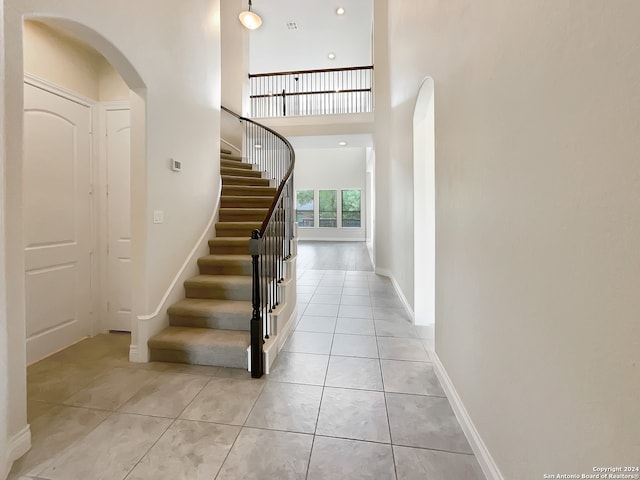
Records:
x=234, y=158
x=222, y=322
x=226, y=269
x=248, y=202
x=240, y=190
x=235, y=358
x=236, y=164
x=220, y=291
x=250, y=182
x=228, y=249
x=234, y=232
x=238, y=216
x=240, y=172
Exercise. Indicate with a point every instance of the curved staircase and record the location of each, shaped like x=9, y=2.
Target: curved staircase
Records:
x=211, y=326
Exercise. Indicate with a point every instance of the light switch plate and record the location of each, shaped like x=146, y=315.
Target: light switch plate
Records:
x=158, y=216
x=176, y=165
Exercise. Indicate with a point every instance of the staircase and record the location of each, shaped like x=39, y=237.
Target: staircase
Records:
x=211, y=326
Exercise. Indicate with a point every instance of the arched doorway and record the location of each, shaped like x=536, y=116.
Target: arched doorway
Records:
x=424, y=198
x=13, y=406
x=76, y=188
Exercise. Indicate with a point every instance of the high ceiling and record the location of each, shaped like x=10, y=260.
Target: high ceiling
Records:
x=320, y=31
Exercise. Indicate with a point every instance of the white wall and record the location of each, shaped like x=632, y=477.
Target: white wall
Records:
x=316, y=169
x=383, y=245
x=234, y=58
x=52, y=56
x=57, y=57
x=537, y=219
x=175, y=112
x=111, y=85
x=4, y=352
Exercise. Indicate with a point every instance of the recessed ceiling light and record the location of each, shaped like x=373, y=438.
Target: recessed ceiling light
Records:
x=339, y=11
x=342, y=143
x=331, y=56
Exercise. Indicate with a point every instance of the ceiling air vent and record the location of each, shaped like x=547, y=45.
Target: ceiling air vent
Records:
x=292, y=25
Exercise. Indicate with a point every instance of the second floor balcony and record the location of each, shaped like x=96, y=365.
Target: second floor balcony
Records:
x=334, y=91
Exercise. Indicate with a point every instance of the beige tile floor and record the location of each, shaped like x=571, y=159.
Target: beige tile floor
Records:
x=353, y=395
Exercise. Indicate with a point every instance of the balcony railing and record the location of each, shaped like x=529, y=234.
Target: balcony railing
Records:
x=312, y=92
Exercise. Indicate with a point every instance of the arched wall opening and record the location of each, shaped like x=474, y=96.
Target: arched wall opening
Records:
x=424, y=198
x=17, y=431
x=77, y=245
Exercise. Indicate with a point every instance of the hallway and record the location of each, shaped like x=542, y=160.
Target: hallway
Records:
x=352, y=395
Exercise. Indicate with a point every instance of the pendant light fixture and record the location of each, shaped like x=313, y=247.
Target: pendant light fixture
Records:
x=250, y=19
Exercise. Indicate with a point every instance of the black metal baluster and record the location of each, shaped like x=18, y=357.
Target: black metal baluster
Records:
x=257, y=364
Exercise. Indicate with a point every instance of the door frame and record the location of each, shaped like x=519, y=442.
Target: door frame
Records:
x=94, y=266
x=102, y=298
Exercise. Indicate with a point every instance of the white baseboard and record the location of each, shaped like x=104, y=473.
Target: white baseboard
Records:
x=386, y=273
x=133, y=353
x=488, y=465
x=18, y=445
x=314, y=238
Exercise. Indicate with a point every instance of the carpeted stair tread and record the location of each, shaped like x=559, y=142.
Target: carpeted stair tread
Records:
x=201, y=346
x=211, y=313
x=229, y=156
x=229, y=245
x=246, y=181
x=241, y=172
x=218, y=279
x=227, y=264
x=242, y=190
x=238, y=201
x=205, y=307
x=236, y=164
x=236, y=229
x=243, y=214
x=225, y=151
x=222, y=287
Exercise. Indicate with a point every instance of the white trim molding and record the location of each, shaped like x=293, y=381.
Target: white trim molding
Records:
x=59, y=90
x=486, y=461
x=231, y=146
x=386, y=273
x=18, y=445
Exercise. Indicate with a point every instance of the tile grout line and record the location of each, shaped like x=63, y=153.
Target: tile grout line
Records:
x=386, y=407
x=173, y=422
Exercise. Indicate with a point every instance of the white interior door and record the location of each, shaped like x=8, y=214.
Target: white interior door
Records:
x=57, y=221
x=118, y=153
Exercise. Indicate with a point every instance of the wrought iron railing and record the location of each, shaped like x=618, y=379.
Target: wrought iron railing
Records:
x=312, y=92
x=270, y=245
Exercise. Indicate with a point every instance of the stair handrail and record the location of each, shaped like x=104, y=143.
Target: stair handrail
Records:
x=288, y=174
x=278, y=230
